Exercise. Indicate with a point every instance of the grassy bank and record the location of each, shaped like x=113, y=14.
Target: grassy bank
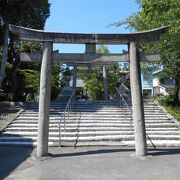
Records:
x=174, y=111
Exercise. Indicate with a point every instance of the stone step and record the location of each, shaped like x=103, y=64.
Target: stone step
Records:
x=90, y=104
x=95, y=124
x=75, y=119
x=90, y=120
x=55, y=137
x=68, y=134
x=93, y=106
x=90, y=111
x=79, y=106
x=80, y=109
x=110, y=124
x=82, y=102
x=95, y=115
x=94, y=109
x=156, y=143
x=97, y=112
x=33, y=136
x=74, y=129
x=90, y=132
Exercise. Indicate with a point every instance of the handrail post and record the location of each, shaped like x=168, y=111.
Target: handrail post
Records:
x=64, y=121
x=70, y=107
x=68, y=113
x=120, y=101
x=125, y=110
x=130, y=120
x=59, y=135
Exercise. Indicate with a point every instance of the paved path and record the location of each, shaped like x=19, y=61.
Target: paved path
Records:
x=89, y=163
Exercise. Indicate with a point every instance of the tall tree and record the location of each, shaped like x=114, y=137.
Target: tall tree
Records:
x=153, y=14
x=20, y=12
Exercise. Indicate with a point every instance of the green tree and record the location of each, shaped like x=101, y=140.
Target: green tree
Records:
x=20, y=12
x=26, y=13
x=102, y=49
x=94, y=81
x=113, y=78
x=32, y=80
x=153, y=14
x=93, y=84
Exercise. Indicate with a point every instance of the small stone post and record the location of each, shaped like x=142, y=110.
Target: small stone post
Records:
x=105, y=82
x=74, y=81
x=44, y=101
x=137, y=102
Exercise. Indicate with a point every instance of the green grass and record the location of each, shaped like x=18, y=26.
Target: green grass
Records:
x=174, y=111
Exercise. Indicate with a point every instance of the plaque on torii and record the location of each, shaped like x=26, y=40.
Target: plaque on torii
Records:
x=89, y=57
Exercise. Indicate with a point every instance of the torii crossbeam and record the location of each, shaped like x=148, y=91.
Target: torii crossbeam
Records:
x=88, y=58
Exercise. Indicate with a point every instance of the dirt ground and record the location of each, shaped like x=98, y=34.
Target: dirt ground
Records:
x=8, y=111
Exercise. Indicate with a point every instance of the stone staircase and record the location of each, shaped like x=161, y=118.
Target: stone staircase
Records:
x=92, y=123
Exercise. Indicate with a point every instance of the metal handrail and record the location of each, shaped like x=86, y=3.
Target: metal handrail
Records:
x=125, y=105
x=67, y=110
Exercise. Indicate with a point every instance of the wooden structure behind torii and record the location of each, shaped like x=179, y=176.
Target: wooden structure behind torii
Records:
x=90, y=56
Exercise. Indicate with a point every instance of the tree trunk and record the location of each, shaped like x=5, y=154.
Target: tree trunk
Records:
x=5, y=55
x=17, y=89
x=176, y=91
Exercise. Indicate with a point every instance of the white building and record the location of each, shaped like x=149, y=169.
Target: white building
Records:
x=80, y=90
x=162, y=85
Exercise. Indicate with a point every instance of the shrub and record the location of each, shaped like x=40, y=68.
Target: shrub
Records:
x=167, y=100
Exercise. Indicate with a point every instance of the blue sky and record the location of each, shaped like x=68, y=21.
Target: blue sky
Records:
x=88, y=16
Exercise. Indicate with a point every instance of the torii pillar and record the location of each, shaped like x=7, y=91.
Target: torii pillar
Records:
x=105, y=82
x=137, y=101
x=74, y=81
x=44, y=101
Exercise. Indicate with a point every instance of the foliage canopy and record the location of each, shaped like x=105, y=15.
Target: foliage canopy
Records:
x=157, y=13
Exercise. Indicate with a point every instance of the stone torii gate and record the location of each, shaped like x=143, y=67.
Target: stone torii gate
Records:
x=90, y=40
